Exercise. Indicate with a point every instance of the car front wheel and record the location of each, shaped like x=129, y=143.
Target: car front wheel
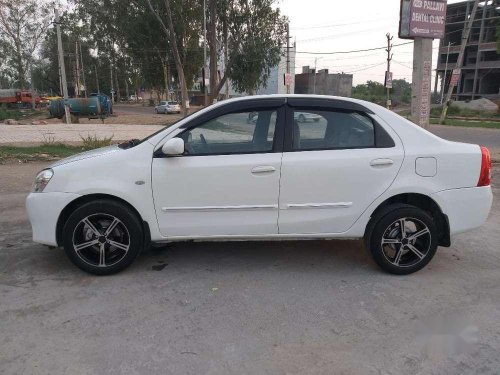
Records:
x=102, y=237
x=403, y=240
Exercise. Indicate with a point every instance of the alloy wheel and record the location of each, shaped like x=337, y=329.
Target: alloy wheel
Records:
x=406, y=242
x=101, y=240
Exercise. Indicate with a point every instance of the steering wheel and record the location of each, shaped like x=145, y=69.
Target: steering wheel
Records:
x=204, y=142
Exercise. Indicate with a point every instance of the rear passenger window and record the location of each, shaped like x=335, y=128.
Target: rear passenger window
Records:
x=329, y=130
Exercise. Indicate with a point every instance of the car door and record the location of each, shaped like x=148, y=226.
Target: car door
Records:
x=336, y=162
x=227, y=182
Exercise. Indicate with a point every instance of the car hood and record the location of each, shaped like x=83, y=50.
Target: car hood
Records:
x=87, y=155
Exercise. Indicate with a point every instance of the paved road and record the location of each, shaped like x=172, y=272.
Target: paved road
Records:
x=486, y=137
x=245, y=308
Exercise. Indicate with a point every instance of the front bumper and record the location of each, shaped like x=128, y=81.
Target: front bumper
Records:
x=466, y=208
x=43, y=212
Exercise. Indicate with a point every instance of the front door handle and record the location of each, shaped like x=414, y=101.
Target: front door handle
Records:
x=263, y=169
x=381, y=162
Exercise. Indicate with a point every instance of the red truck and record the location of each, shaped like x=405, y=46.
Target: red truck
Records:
x=15, y=98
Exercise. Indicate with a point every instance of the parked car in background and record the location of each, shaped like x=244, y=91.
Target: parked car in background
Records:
x=168, y=107
x=306, y=116
x=360, y=171
x=135, y=98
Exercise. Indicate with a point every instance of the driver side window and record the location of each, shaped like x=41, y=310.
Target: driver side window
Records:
x=234, y=133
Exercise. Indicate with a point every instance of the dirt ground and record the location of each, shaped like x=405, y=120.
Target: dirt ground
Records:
x=315, y=307
x=124, y=114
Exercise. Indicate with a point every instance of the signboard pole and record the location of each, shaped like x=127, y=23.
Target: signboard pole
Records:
x=421, y=82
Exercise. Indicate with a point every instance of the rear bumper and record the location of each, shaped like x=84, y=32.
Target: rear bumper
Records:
x=466, y=208
x=43, y=212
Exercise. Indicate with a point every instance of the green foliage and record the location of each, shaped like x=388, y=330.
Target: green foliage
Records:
x=22, y=26
x=376, y=92
x=91, y=142
x=8, y=113
x=256, y=34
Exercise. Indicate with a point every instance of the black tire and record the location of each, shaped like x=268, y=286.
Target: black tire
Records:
x=127, y=235
x=410, y=254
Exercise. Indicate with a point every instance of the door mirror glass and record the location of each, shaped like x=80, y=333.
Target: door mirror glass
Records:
x=173, y=147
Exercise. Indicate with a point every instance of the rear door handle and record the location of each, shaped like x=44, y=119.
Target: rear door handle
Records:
x=381, y=162
x=263, y=169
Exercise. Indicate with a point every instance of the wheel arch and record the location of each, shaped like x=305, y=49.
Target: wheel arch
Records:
x=73, y=205
x=418, y=200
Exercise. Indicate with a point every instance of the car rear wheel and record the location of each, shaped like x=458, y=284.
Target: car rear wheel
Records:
x=404, y=240
x=102, y=237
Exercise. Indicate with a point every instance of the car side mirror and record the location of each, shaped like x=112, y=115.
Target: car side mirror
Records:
x=173, y=147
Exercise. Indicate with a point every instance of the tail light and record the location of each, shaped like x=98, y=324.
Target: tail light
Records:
x=485, y=175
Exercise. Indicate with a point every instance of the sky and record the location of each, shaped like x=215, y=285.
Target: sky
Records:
x=335, y=25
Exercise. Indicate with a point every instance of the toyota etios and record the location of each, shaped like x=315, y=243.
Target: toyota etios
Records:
x=247, y=169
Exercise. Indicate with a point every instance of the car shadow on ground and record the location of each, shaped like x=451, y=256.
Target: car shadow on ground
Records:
x=304, y=256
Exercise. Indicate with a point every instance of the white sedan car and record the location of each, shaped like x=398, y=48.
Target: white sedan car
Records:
x=168, y=107
x=360, y=171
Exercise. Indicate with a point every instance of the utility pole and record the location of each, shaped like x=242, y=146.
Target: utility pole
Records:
x=82, y=69
x=205, y=51
x=33, y=104
x=287, y=57
x=315, y=72
x=112, y=89
x=388, y=73
x=460, y=61
x=97, y=80
x=443, y=81
x=62, y=68
x=77, y=65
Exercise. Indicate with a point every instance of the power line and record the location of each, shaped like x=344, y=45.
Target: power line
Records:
x=353, y=51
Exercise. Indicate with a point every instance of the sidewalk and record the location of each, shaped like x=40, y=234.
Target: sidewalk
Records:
x=29, y=134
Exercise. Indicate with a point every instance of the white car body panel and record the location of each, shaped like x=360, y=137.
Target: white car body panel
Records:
x=245, y=204
x=43, y=212
x=218, y=197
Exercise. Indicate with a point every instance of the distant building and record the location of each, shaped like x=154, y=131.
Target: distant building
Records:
x=323, y=83
x=276, y=81
x=481, y=69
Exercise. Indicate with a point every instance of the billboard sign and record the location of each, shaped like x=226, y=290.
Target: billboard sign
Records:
x=287, y=79
x=388, y=80
x=422, y=19
x=455, y=77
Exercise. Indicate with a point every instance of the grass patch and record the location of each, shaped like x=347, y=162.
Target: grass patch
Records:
x=462, y=112
x=38, y=153
x=468, y=124
x=91, y=142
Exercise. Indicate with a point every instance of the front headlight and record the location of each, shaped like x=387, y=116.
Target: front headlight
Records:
x=41, y=180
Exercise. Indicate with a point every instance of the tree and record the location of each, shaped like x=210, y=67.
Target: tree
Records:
x=255, y=33
x=22, y=26
x=168, y=28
